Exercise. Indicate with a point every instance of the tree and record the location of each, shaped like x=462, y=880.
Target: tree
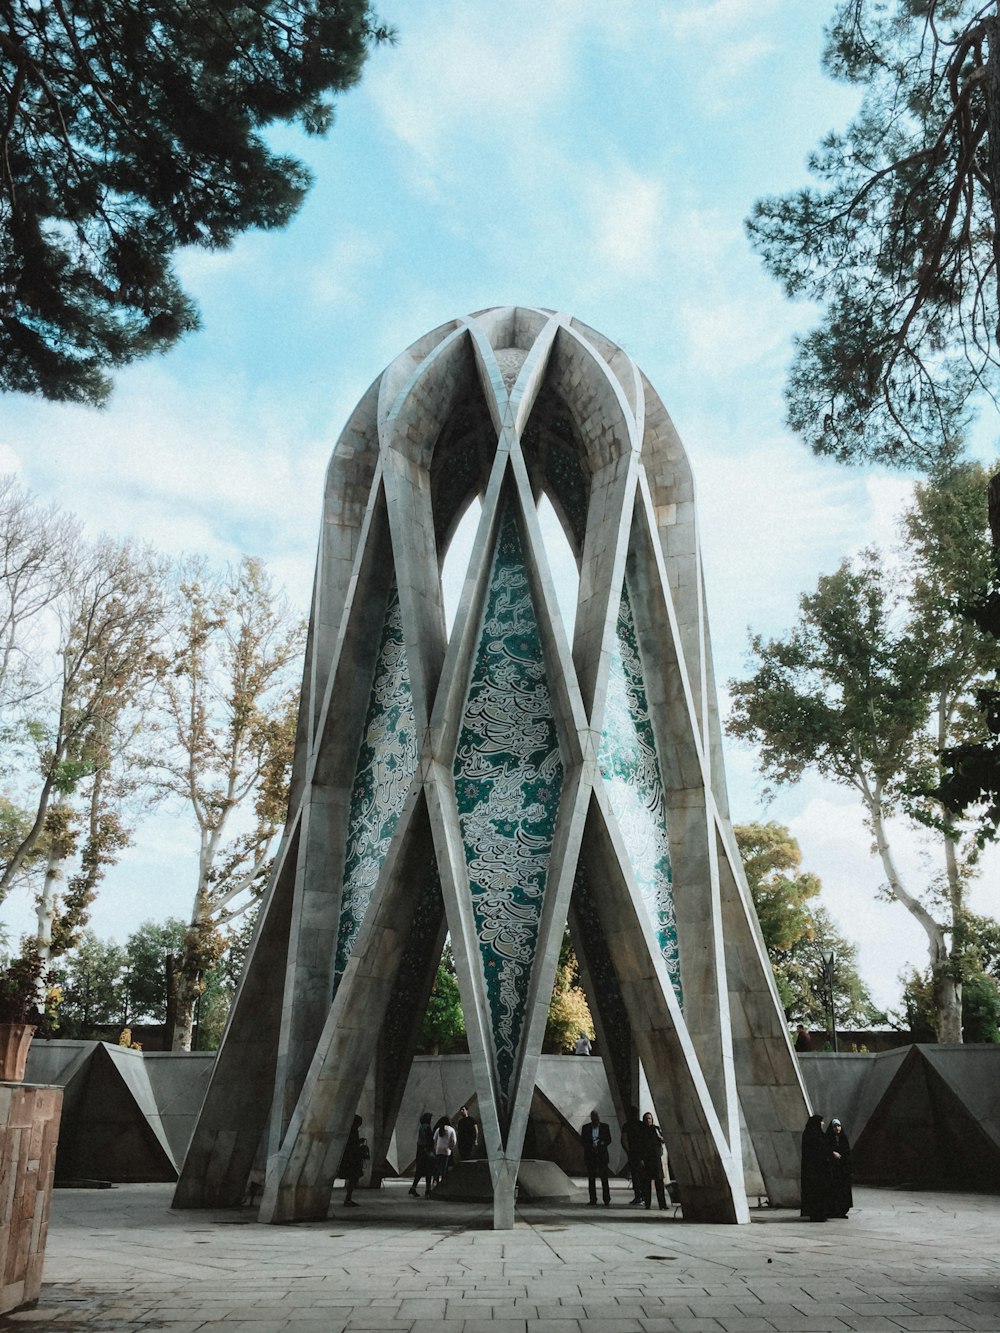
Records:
x=569, y=1013
x=444, y=1022
x=91, y=978
x=230, y=712
x=899, y=243
x=983, y=935
x=36, y=548
x=128, y=131
x=980, y=1007
x=970, y=771
x=147, y=950
x=873, y=681
x=803, y=967
x=81, y=725
x=799, y=935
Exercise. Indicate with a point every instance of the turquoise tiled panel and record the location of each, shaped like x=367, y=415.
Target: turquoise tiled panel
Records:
x=508, y=777
x=387, y=762
x=631, y=773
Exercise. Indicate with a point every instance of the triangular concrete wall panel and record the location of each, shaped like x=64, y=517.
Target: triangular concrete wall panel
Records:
x=109, y=1135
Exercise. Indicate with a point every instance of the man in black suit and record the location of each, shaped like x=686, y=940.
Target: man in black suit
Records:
x=595, y=1136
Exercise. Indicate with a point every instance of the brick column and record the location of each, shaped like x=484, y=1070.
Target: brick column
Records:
x=29, y=1130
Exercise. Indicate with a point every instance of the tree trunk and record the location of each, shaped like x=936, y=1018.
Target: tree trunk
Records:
x=201, y=950
x=187, y=990
x=993, y=134
x=170, y=1012
x=947, y=992
x=947, y=1003
x=46, y=906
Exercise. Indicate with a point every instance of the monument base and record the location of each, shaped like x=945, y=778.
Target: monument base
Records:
x=537, y=1182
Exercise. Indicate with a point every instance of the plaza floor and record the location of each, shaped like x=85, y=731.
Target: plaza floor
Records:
x=120, y=1260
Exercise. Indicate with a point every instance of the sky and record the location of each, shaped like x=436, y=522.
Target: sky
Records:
x=593, y=158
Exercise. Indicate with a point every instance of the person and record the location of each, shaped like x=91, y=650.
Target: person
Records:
x=582, y=1046
x=467, y=1134
x=631, y=1139
x=815, y=1170
x=651, y=1155
x=444, y=1145
x=595, y=1136
x=803, y=1041
x=423, y=1168
x=352, y=1163
x=841, y=1199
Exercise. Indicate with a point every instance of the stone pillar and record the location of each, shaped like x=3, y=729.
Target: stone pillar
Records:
x=29, y=1130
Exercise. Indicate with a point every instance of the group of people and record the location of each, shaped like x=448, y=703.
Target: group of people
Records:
x=826, y=1159
x=642, y=1141
x=826, y=1170
x=436, y=1147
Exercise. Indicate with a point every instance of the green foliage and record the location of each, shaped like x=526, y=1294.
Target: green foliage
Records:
x=92, y=978
x=980, y=1007
x=106, y=984
x=23, y=984
x=798, y=934
x=846, y=692
x=895, y=242
x=970, y=770
x=569, y=1013
x=145, y=962
x=769, y=854
x=800, y=972
x=982, y=934
x=444, y=1022
x=129, y=132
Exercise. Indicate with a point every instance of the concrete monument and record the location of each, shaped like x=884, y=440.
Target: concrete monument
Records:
x=497, y=781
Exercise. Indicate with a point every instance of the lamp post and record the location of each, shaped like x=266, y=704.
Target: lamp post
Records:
x=828, y=974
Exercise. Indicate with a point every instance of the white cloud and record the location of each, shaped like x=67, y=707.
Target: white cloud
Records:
x=708, y=22
x=218, y=469
x=627, y=212
x=461, y=76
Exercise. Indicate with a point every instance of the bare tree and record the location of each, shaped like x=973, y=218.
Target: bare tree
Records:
x=35, y=545
x=230, y=704
x=108, y=622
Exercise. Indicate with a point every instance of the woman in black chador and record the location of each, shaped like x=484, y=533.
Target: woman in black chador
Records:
x=352, y=1164
x=815, y=1170
x=841, y=1198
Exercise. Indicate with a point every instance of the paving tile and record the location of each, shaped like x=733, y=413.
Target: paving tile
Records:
x=907, y=1261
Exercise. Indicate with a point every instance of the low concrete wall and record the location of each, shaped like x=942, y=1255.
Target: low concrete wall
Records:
x=128, y=1115
x=29, y=1130
x=925, y=1114
x=919, y=1115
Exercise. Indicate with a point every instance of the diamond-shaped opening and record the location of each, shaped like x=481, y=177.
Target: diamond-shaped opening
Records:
x=562, y=562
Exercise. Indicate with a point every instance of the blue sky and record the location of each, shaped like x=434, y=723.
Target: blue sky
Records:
x=592, y=157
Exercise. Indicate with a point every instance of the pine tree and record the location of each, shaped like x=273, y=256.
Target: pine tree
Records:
x=130, y=130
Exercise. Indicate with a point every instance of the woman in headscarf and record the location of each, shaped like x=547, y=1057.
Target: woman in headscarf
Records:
x=651, y=1155
x=352, y=1164
x=423, y=1163
x=841, y=1199
x=815, y=1170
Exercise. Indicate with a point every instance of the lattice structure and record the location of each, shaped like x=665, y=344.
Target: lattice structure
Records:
x=498, y=781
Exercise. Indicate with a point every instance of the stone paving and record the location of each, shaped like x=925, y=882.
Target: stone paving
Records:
x=121, y=1261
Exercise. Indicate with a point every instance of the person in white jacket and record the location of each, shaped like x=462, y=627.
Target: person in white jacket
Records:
x=445, y=1141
